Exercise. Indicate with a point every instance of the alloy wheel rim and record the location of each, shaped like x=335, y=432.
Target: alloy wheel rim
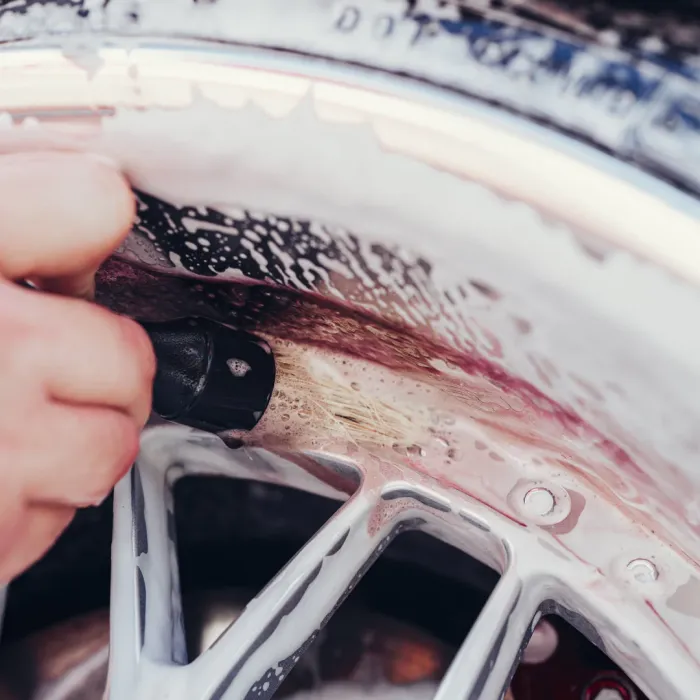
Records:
x=625, y=611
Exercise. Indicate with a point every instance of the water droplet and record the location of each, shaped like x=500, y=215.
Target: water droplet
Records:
x=480, y=445
x=448, y=419
x=524, y=327
x=285, y=417
x=416, y=450
x=304, y=413
x=496, y=457
x=238, y=368
x=355, y=386
x=441, y=441
x=485, y=289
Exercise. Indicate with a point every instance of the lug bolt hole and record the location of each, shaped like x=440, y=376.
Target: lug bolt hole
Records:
x=539, y=501
x=643, y=570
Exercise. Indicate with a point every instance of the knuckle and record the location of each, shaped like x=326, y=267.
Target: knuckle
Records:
x=131, y=363
x=126, y=439
x=121, y=435
x=117, y=446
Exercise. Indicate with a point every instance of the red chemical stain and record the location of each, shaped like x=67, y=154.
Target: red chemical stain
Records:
x=511, y=409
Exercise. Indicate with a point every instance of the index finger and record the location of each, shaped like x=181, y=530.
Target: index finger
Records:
x=61, y=215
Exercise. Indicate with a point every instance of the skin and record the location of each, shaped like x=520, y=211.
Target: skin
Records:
x=75, y=379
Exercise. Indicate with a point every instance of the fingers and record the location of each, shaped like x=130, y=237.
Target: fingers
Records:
x=75, y=380
x=79, y=353
x=96, y=448
x=27, y=536
x=99, y=358
x=61, y=216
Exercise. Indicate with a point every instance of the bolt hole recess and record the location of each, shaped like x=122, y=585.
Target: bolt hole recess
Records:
x=643, y=570
x=540, y=503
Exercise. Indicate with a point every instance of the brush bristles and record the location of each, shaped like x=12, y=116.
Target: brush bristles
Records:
x=316, y=387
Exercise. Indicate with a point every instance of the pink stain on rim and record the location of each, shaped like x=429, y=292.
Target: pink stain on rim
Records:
x=517, y=414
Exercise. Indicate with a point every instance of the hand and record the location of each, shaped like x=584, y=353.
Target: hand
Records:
x=75, y=380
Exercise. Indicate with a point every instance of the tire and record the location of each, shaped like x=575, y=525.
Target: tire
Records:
x=641, y=105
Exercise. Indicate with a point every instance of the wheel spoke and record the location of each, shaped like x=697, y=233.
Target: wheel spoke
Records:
x=3, y=603
x=259, y=650
x=145, y=616
x=486, y=661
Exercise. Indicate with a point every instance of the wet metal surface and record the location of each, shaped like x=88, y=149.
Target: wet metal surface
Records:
x=450, y=380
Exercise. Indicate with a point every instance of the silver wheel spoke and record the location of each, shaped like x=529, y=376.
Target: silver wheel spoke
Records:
x=258, y=651
x=487, y=660
x=145, y=618
x=3, y=603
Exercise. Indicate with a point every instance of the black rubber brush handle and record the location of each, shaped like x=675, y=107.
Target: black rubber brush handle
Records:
x=210, y=376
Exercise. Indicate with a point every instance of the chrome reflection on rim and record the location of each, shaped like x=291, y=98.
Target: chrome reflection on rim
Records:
x=566, y=538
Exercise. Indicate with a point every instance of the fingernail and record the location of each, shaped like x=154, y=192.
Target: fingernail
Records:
x=80, y=286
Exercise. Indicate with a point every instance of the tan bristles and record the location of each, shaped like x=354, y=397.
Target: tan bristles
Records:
x=319, y=388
